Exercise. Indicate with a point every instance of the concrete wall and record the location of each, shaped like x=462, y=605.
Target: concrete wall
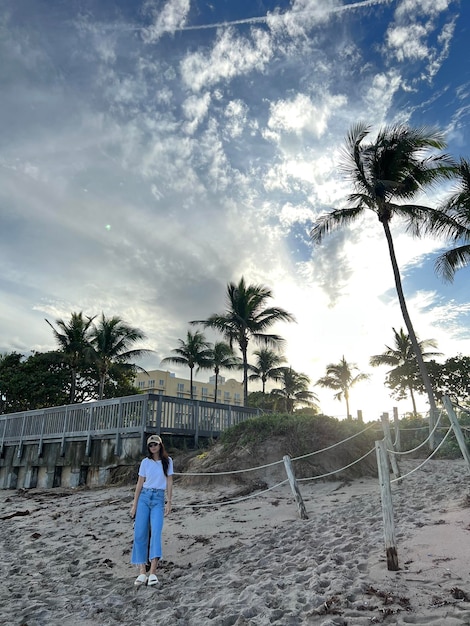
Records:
x=73, y=469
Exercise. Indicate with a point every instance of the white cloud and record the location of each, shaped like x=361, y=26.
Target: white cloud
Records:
x=412, y=8
x=236, y=113
x=407, y=41
x=300, y=115
x=167, y=20
x=231, y=56
x=195, y=110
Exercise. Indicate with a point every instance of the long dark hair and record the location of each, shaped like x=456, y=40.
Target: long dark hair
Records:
x=162, y=455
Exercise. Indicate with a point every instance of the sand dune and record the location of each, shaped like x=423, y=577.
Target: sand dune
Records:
x=65, y=556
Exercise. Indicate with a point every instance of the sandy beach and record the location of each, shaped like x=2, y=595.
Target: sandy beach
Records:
x=65, y=555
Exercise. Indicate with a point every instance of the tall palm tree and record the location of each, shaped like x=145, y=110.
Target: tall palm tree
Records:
x=112, y=340
x=221, y=357
x=245, y=318
x=194, y=352
x=340, y=376
x=294, y=389
x=387, y=174
x=457, y=208
x=402, y=359
x=268, y=366
x=75, y=349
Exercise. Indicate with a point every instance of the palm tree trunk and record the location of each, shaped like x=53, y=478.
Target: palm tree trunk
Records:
x=216, y=370
x=244, y=350
x=412, y=395
x=101, y=386
x=73, y=384
x=191, y=382
x=346, y=397
x=409, y=326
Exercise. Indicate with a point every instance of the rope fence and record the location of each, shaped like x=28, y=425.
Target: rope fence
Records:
x=386, y=457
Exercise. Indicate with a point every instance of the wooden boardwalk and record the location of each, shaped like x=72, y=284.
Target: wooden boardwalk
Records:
x=119, y=418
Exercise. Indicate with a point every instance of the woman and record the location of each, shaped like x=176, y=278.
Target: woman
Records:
x=148, y=508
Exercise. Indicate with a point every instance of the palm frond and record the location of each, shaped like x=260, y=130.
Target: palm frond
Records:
x=451, y=261
x=330, y=222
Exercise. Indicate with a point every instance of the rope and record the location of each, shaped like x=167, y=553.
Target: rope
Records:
x=253, y=495
x=304, y=456
x=421, y=444
x=338, y=470
x=425, y=460
x=248, y=469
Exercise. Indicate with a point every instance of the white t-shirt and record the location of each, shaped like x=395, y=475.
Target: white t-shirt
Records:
x=152, y=471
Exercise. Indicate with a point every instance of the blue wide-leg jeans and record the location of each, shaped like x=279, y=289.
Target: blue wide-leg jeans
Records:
x=148, y=521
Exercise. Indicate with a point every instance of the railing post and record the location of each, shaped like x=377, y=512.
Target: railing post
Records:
x=396, y=423
x=196, y=415
x=19, y=452
x=387, y=506
x=41, y=436
x=159, y=413
x=62, y=445
x=117, y=450
x=294, y=487
x=3, y=436
x=457, y=430
x=388, y=442
x=88, y=437
x=143, y=428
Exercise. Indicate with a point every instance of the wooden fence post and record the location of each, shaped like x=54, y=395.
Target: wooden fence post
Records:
x=396, y=423
x=387, y=505
x=388, y=442
x=295, y=488
x=457, y=430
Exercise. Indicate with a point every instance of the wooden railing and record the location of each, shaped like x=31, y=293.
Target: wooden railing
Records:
x=120, y=417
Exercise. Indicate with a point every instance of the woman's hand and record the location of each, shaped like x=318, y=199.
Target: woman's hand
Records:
x=167, y=508
x=132, y=511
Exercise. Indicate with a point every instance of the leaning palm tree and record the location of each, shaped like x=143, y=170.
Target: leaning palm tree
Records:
x=75, y=350
x=221, y=357
x=402, y=359
x=294, y=390
x=112, y=340
x=194, y=352
x=457, y=208
x=268, y=366
x=340, y=377
x=387, y=174
x=247, y=317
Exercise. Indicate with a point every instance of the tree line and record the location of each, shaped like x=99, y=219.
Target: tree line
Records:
x=93, y=361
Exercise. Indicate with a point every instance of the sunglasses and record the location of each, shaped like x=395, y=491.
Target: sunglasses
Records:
x=153, y=445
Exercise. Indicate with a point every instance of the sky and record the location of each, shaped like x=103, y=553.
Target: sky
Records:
x=154, y=151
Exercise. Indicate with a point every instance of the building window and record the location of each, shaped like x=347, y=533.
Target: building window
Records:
x=194, y=390
x=141, y=384
x=151, y=383
x=236, y=398
x=161, y=382
x=179, y=394
x=226, y=396
x=180, y=388
x=204, y=392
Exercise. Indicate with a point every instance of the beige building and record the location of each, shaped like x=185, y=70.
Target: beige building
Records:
x=168, y=384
